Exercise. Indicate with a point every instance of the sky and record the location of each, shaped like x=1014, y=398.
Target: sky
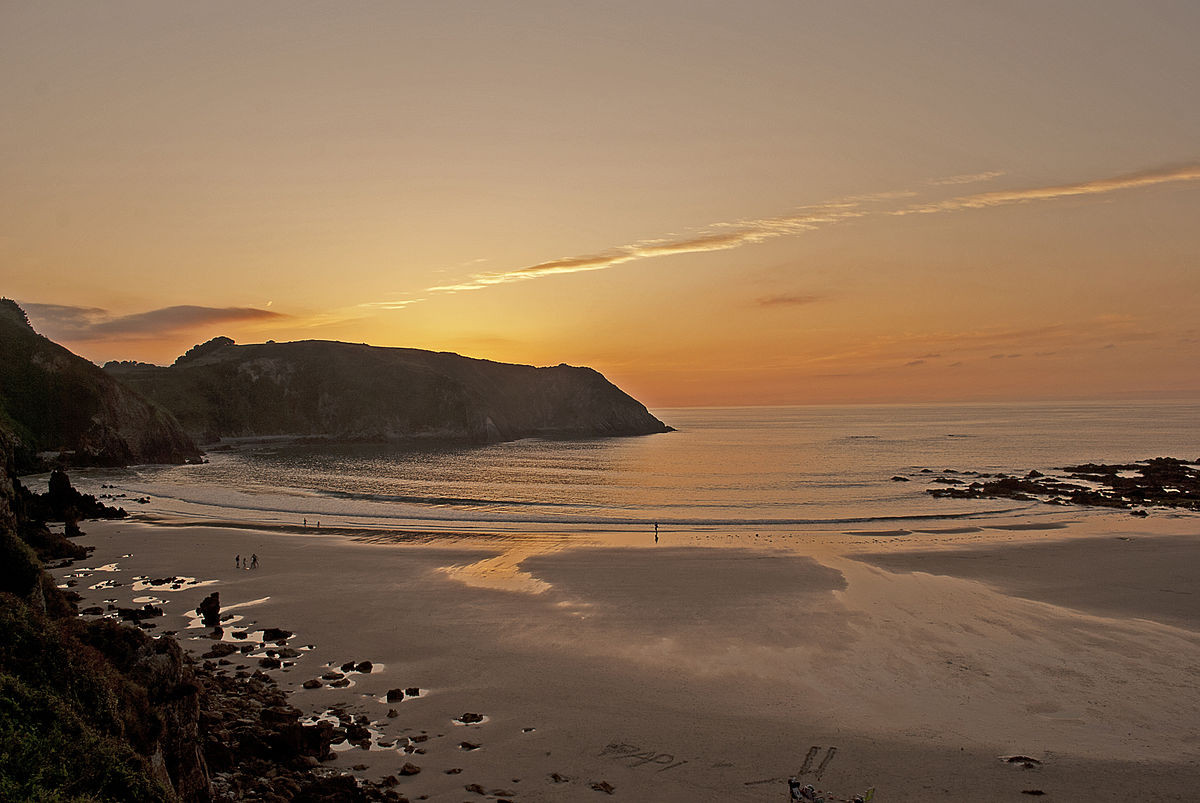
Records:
x=711, y=203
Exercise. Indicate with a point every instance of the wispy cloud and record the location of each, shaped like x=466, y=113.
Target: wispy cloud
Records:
x=718, y=237
x=1128, y=181
x=786, y=300
x=390, y=305
x=968, y=178
x=729, y=235
x=81, y=324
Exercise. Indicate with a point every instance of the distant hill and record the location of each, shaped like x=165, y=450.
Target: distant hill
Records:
x=353, y=391
x=53, y=400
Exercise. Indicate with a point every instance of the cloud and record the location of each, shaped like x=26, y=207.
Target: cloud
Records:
x=786, y=300
x=1128, y=181
x=390, y=305
x=728, y=235
x=968, y=178
x=718, y=237
x=60, y=322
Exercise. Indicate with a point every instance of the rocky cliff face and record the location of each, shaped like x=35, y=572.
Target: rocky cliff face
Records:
x=353, y=391
x=53, y=400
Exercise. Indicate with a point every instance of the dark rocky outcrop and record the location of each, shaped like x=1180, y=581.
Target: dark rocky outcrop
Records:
x=210, y=610
x=1158, y=482
x=52, y=400
x=98, y=710
x=353, y=391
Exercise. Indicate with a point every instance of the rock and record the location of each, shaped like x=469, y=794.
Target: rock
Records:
x=239, y=634
x=470, y=719
x=348, y=666
x=269, y=663
x=409, y=769
x=94, y=610
x=412, y=691
x=147, y=611
x=476, y=788
x=276, y=634
x=340, y=684
x=220, y=650
x=468, y=746
x=331, y=675
x=332, y=789
x=312, y=684
x=453, y=771
x=603, y=786
x=364, y=667
x=554, y=776
x=210, y=610
x=392, y=713
x=898, y=478
x=279, y=715
x=395, y=695
x=359, y=767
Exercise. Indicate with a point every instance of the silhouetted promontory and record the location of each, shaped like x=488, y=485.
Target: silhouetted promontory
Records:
x=350, y=391
x=53, y=400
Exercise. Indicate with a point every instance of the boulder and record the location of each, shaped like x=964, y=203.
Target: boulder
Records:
x=210, y=610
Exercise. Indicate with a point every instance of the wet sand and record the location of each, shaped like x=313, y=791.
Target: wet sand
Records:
x=692, y=671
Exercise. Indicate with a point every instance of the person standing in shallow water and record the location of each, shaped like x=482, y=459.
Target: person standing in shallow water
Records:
x=254, y=561
x=656, y=532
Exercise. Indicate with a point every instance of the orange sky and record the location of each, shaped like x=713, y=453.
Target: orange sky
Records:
x=711, y=203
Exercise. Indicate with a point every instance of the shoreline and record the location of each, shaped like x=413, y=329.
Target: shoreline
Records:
x=732, y=655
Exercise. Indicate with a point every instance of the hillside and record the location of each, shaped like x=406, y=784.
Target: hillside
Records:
x=354, y=391
x=53, y=400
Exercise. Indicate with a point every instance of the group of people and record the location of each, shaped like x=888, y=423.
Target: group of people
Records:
x=238, y=563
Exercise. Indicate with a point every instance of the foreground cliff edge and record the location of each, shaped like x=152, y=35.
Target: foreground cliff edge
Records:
x=350, y=391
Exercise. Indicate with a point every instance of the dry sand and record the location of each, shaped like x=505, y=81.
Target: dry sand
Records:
x=710, y=667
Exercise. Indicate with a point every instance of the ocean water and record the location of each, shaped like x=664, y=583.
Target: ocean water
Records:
x=752, y=468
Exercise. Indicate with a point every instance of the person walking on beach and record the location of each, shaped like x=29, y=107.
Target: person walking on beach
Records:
x=656, y=532
x=254, y=561
x=237, y=561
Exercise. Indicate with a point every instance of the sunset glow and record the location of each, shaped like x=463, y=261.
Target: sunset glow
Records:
x=710, y=203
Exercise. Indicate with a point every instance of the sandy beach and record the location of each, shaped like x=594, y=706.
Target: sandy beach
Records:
x=712, y=667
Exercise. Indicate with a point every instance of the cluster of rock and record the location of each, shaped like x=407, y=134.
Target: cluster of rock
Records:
x=1158, y=482
x=104, y=710
x=256, y=747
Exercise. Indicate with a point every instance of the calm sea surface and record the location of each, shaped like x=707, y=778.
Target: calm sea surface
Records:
x=725, y=468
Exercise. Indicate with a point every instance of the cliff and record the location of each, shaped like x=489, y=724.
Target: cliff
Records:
x=53, y=400
x=354, y=391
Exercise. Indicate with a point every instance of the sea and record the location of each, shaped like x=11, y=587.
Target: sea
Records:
x=742, y=469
